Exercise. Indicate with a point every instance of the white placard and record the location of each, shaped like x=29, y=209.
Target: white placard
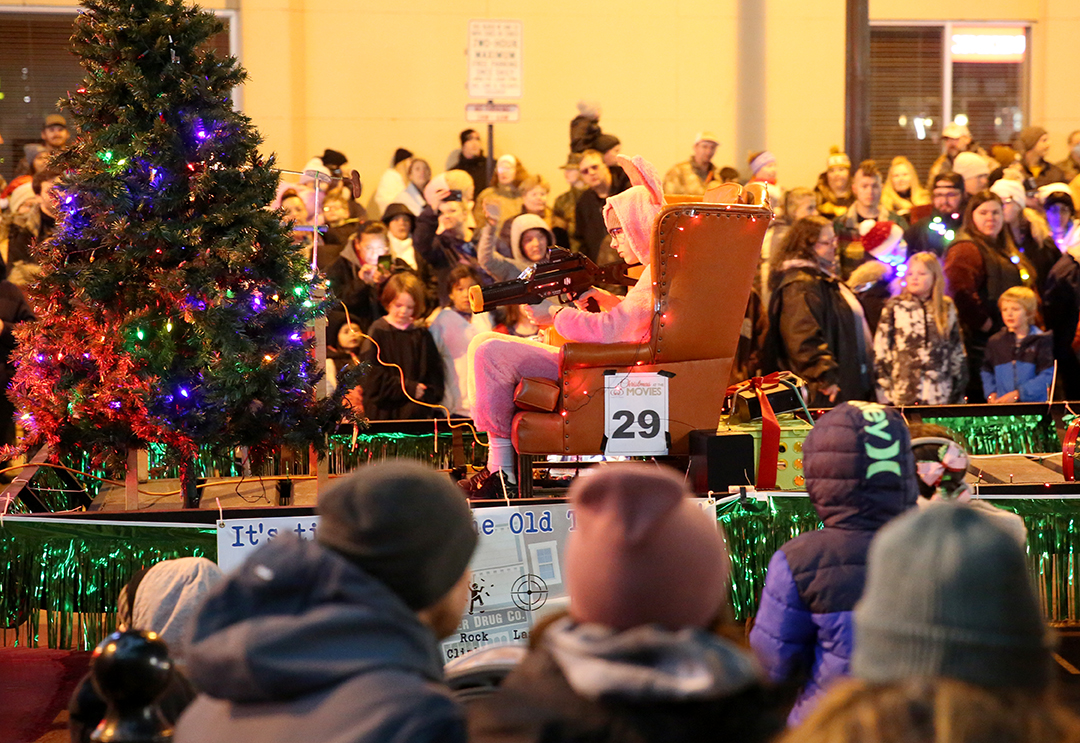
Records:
x=636, y=414
x=496, y=68
x=492, y=113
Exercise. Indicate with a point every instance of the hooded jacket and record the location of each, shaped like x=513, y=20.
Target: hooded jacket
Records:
x=1026, y=365
x=499, y=266
x=629, y=320
x=301, y=644
x=587, y=682
x=860, y=473
x=161, y=599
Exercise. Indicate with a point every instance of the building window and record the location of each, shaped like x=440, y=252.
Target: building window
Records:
x=924, y=76
x=38, y=69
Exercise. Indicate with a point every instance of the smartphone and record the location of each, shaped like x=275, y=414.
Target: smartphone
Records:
x=385, y=261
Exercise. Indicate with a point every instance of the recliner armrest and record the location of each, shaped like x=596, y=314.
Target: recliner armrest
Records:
x=590, y=355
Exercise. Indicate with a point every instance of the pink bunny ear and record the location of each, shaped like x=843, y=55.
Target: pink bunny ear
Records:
x=643, y=173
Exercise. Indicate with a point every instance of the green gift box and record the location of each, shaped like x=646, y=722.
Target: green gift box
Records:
x=789, y=460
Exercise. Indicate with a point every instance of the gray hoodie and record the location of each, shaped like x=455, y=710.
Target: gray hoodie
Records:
x=301, y=644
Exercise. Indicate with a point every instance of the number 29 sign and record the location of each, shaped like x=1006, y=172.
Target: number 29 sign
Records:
x=636, y=414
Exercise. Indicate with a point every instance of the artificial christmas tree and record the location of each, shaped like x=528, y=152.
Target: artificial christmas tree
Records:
x=173, y=306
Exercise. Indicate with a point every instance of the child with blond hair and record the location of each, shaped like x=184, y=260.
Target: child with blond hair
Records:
x=918, y=352
x=1019, y=361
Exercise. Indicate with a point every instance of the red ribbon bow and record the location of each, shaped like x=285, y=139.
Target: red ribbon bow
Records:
x=769, y=452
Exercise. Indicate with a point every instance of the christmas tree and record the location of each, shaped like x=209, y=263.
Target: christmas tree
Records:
x=173, y=305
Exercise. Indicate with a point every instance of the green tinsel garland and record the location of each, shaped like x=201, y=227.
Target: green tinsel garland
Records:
x=1004, y=434
x=74, y=572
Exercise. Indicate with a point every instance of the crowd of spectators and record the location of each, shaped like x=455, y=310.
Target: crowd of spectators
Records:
x=910, y=617
x=875, y=283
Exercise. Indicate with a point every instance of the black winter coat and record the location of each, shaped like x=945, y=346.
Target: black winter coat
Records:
x=536, y=704
x=814, y=333
x=1061, y=308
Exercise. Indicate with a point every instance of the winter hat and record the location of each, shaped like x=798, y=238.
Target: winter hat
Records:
x=30, y=151
x=605, y=142
x=970, y=165
x=837, y=157
x=955, y=131
x=760, y=160
x=1004, y=155
x=523, y=223
x=334, y=159
x=313, y=166
x=20, y=196
x=589, y=109
x=880, y=239
x=641, y=552
x=1007, y=188
x=860, y=449
x=402, y=523
x=398, y=209
x=507, y=160
x=164, y=597
x=1055, y=193
x=636, y=208
x=948, y=595
x=1030, y=137
x=401, y=154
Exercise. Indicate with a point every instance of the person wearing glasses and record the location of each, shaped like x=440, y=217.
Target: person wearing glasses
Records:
x=589, y=228
x=817, y=327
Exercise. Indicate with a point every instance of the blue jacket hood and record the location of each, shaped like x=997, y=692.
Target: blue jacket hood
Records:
x=296, y=618
x=860, y=471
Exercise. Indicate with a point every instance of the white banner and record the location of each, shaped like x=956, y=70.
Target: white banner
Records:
x=517, y=570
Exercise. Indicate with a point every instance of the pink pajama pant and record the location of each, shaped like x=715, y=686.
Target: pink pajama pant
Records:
x=497, y=362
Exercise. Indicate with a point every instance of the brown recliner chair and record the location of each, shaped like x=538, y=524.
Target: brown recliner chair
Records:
x=704, y=259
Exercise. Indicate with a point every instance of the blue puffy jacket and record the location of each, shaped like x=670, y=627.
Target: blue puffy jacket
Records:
x=860, y=473
x=1027, y=366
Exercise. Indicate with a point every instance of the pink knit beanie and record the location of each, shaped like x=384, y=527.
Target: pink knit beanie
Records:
x=635, y=209
x=641, y=552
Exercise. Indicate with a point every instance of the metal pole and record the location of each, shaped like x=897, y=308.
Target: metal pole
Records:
x=490, y=155
x=857, y=81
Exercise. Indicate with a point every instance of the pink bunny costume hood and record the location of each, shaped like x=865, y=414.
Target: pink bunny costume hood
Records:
x=636, y=208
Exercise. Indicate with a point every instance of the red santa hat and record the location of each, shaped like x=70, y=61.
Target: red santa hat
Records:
x=880, y=239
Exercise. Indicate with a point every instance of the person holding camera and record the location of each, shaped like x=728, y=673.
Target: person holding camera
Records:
x=454, y=243
x=358, y=274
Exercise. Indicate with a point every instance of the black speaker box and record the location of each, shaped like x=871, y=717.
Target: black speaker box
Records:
x=720, y=461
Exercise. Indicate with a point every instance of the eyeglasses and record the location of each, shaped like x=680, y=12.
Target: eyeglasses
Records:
x=589, y=169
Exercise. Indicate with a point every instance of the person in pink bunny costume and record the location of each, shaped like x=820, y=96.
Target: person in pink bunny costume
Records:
x=498, y=362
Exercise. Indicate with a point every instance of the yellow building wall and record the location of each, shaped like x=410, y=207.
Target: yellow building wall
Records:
x=367, y=76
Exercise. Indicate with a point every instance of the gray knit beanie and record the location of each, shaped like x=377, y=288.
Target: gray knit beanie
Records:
x=948, y=595
x=402, y=523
